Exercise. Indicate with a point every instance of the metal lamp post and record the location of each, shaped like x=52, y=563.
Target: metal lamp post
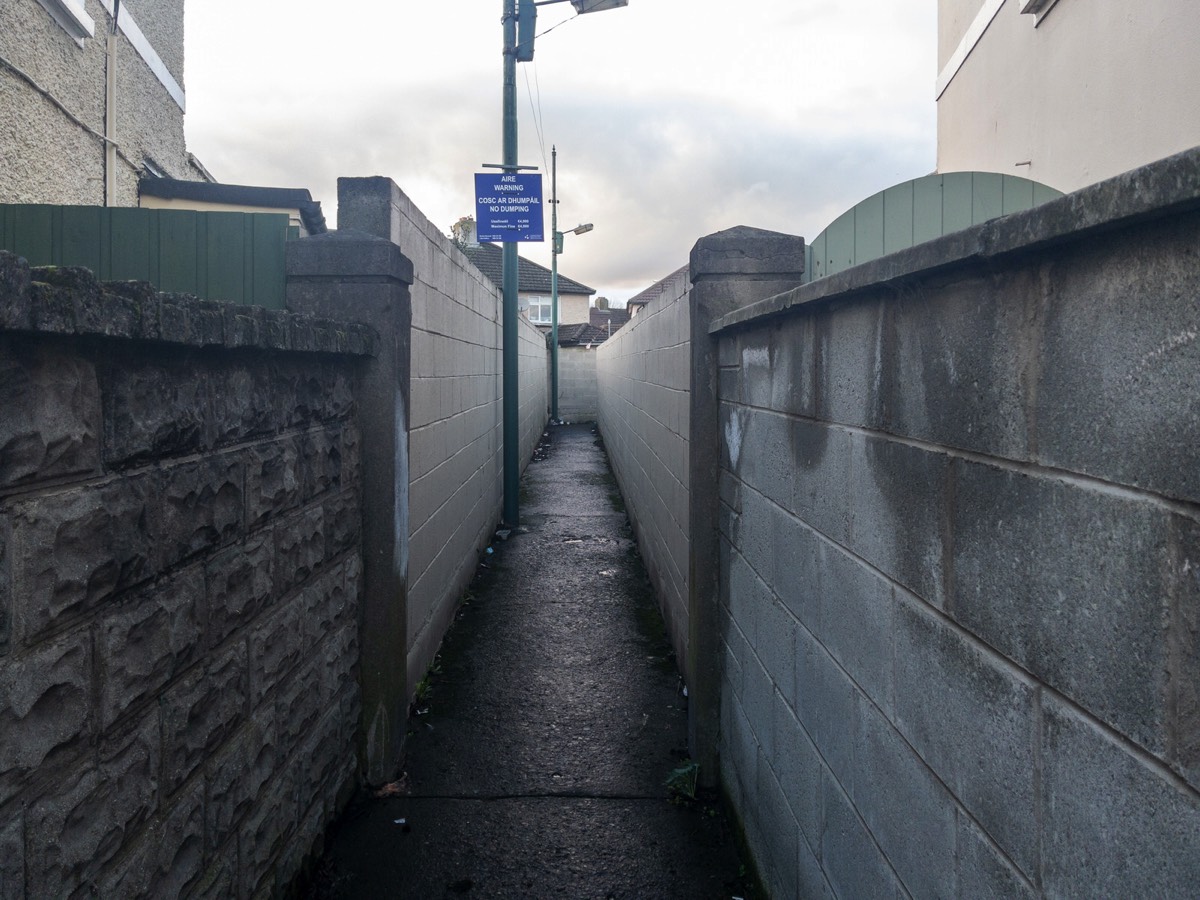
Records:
x=555, y=249
x=509, y=313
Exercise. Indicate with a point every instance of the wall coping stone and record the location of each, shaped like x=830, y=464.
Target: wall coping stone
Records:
x=746, y=252
x=68, y=300
x=346, y=255
x=1169, y=186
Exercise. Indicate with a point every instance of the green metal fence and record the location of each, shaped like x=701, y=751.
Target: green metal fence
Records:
x=229, y=256
x=916, y=211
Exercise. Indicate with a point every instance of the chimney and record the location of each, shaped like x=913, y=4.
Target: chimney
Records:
x=465, y=233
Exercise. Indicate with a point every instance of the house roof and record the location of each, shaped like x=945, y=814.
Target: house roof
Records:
x=654, y=290
x=609, y=319
x=604, y=322
x=239, y=195
x=581, y=333
x=488, y=258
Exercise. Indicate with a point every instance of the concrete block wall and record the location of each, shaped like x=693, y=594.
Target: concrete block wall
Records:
x=578, y=387
x=534, y=393
x=644, y=379
x=456, y=426
x=179, y=583
x=960, y=539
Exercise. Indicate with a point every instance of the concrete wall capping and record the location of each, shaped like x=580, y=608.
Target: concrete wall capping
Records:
x=70, y=301
x=1163, y=188
x=347, y=256
x=746, y=252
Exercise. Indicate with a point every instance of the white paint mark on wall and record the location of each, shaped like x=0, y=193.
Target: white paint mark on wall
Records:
x=734, y=432
x=378, y=735
x=401, y=470
x=1170, y=345
x=755, y=356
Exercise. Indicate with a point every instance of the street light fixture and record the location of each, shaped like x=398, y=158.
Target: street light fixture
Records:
x=509, y=312
x=555, y=249
x=587, y=6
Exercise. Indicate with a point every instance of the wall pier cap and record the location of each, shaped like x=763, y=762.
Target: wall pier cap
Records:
x=347, y=255
x=739, y=266
x=748, y=253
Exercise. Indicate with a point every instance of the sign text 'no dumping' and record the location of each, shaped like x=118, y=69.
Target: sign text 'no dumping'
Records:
x=508, y=207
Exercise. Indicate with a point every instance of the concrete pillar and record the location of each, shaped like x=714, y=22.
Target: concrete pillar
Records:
x=728, y=270
x=360, y=277
x=371, y=205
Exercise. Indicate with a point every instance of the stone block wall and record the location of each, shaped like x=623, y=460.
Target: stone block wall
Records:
x=644, y=380
x=960, y=538
x=180, y=567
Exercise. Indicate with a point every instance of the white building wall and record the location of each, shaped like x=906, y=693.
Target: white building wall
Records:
x=1097, y=88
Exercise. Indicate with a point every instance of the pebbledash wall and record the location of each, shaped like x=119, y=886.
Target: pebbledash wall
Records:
x=180, y=573
x=959, y=593
x=52, y=99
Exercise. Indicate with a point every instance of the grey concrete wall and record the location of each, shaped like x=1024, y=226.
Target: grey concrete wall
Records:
x=359, y=277
x=52, y=104
x=960, y=531
x=644, y=378
x=578, y=387
x=180, y=575
x=533, y=360
x=456, y=428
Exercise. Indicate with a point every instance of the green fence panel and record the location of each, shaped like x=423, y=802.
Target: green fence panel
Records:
x=133, y=245
x=917, y=211
x=898, y=217
x=229, y=256
x=839, y=245
x=958, y=202
x=927, y=210
x=1018, y=194
x=81, y=237
x=987, y=196
x=868, y=228
x=270, y=278
x=32, y=234
x=179, y=251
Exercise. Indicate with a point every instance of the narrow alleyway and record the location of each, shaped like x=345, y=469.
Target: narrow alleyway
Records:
x=537, y=764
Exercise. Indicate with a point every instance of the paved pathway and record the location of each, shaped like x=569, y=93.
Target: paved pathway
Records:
x=539, y=768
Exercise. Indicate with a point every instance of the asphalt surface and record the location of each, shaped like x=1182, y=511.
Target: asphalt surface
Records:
x=537, y=758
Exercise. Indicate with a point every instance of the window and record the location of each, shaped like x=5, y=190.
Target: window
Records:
x=539, y=310
x=1039, y=8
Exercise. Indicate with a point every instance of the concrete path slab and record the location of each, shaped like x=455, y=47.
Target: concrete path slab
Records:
x=554, y=719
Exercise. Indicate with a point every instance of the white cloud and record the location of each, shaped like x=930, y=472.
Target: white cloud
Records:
x=673, y=119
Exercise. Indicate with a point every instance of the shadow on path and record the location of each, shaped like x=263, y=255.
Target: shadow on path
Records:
x=538, y=756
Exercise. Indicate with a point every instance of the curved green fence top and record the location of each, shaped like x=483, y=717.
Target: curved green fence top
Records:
x=916, y=211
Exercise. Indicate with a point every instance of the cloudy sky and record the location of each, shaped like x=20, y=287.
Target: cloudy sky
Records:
x=673, y=118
